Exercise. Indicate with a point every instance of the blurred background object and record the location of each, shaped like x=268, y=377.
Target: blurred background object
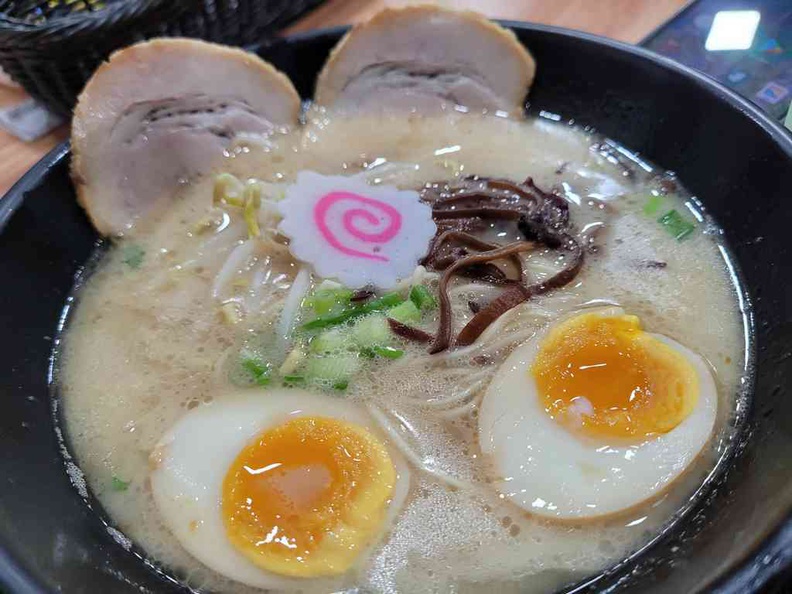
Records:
x=29, y=120
x=51, y=47
x=624, y=20
x=744, y=44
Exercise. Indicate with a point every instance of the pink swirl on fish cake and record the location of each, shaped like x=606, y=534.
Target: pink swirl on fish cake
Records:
x=349, y=223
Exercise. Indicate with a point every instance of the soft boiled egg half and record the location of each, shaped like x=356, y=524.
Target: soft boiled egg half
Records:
x=271, y=488
x=594, y=416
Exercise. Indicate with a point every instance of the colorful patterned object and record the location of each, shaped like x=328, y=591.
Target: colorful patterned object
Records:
x=353, y=232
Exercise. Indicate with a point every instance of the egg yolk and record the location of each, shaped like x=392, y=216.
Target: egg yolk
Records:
x=605, y=377
x=306, y=497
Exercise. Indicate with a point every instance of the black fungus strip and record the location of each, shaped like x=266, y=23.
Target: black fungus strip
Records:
x=361, y=295
x=409, y=332
x=443, y=339
x=517, y=294
x=464, y=206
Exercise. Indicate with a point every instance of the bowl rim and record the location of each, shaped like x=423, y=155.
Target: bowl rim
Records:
x=771, y=557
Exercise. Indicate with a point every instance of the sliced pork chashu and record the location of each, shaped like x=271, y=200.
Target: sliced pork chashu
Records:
x=424, y=57
x=161, y=112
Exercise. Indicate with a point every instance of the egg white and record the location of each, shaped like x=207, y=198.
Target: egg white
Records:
x=192, y=459
x=551, y=471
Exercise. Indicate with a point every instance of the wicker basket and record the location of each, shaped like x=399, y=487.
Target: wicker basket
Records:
x=51, y=47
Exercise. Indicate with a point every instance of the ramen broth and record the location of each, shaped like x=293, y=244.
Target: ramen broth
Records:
x=149, y=340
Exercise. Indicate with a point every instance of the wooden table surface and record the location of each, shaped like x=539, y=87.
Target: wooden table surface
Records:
x=625, y=20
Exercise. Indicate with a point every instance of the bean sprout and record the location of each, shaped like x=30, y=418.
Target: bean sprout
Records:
x=260, y=278
x=274, y=304
x=291, y=306
x=232, y=266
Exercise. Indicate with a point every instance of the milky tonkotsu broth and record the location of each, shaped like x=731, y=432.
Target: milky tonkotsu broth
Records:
x=146, y=344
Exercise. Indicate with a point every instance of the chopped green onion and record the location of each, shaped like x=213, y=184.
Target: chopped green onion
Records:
x=387, y=352
x=118, y=485
x=332, y=371
x=258, y=370
x=253, y=367
x=228, y=190
x=676, y=225
x=251, y=197
x=325, y=301
x=406, y=313
x=372, y=331
x=132, y=255
x=422, y=297
x=653, y=204
x=333, y=340
x=385, y=302
x=293, y=380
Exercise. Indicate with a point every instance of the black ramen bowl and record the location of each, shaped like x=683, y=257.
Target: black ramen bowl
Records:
x=736, y=534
